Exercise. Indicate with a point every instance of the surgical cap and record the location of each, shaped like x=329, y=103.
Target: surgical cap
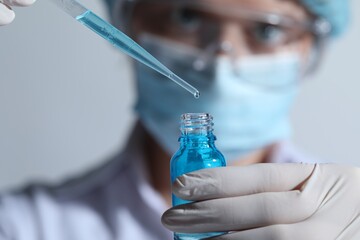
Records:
x=336, y=12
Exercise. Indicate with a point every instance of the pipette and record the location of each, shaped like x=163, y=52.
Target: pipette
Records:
x=120, y=40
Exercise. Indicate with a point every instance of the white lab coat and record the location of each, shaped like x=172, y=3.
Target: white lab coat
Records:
x=113, y=202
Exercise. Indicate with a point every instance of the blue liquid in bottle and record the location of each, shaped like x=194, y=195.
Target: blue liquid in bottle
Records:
x=197, y=151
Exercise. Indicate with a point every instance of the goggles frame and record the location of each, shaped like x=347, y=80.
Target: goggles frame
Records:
x=319, y=27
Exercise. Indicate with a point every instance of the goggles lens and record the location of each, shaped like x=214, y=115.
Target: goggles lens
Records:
x=201, y=26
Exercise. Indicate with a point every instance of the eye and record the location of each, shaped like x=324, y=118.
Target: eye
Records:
x=267, y=34
x=187, y=19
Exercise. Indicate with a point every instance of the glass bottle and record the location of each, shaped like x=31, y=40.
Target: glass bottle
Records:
x=197, y=151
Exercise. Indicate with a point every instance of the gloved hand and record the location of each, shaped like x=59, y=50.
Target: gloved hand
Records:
x=270, y=202
x=7, y=15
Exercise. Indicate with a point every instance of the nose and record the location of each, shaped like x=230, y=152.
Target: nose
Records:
x=232, y=40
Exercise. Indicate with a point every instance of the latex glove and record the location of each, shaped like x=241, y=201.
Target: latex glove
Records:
x=270, y=202
x=7, y=15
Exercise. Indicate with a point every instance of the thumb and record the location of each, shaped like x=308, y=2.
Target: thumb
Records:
x=20, y=3
x=6, y=14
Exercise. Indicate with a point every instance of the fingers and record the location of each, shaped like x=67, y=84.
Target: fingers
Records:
x=239, y=213
x=239, y=181
x=275, y=232
x=20, y=3
x=6, y=15
x=316, y=228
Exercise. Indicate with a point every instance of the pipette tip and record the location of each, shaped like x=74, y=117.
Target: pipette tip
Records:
x=197, y=94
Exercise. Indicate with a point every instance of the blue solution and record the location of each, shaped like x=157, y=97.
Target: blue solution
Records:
x=107, y=31
x=197, y=151
x=121, y=41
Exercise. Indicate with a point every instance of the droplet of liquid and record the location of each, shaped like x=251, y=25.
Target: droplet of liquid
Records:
x=197, y=94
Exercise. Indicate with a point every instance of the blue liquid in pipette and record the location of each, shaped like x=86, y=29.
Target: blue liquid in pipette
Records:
x=127, y=45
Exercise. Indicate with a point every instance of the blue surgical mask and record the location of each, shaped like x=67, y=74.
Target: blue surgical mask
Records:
x=249, y=99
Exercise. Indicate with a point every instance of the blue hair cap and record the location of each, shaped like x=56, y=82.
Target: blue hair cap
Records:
x=336, y=12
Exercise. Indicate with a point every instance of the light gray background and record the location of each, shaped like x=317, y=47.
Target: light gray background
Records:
x=66, y=98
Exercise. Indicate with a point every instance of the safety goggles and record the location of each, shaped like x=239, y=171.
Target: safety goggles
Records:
x=200, y=24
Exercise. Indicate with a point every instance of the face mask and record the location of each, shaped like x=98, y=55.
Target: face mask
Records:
x=249, y=99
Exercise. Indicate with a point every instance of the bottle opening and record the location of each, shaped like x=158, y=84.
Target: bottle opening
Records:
x=196, y=123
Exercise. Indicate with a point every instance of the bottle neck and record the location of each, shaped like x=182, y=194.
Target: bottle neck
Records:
x=197, y=128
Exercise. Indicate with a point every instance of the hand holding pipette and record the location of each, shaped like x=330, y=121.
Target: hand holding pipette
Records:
x=7, y=15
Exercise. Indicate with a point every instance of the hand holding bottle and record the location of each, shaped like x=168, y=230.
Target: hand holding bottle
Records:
x=270, y=201
x=7, y=14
